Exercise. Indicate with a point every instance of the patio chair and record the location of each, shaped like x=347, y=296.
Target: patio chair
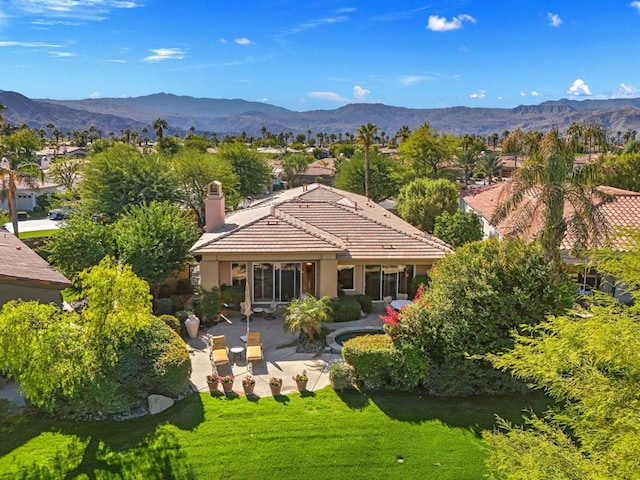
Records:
x=254, y=348
x=271, y=310
x=387, y=300
x=403, y=296
x=219, y=350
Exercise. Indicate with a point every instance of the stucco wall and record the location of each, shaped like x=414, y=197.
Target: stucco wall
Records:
x=10, y=292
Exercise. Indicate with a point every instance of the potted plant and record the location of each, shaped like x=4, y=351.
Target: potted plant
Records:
x=275, y=384
x=248, y=383
x=301, y=380
x=212, y=381
x=227, y=383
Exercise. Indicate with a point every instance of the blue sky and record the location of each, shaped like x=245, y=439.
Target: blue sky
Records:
x=323, y=54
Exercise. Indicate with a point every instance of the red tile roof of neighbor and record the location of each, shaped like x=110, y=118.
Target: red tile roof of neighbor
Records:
x=623, y=211
x=317, y=218
x=19, y=262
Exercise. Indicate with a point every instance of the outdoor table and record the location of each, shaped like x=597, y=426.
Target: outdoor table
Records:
x=398, y=304
x=235, y=352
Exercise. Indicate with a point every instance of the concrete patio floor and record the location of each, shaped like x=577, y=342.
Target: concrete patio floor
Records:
x=279, y=351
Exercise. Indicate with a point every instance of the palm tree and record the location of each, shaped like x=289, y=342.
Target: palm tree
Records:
x=307, y=314
x=536, y=194
x=159, y=126
x=403, y=133
x=490, y=165
x=366, y=134
x=466, y=161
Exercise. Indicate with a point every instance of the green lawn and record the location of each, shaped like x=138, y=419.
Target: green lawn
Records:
x=317, y=435
x=36, y=234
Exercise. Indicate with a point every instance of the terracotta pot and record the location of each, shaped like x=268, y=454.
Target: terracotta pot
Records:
x=275, y=390
x=227, y=387
x=248, y=389
x=213, y=386
x=302, y=385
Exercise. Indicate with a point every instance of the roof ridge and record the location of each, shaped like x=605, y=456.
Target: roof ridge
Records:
x=307, y=227
x=428, y=239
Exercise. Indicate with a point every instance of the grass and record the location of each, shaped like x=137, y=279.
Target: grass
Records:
x=37, y=234
x=319, y=434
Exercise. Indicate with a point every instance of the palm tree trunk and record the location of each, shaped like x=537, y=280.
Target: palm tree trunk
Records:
x=366, y=171
x=11, y=200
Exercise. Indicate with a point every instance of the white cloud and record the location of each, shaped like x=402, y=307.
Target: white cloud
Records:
x=478, y=95
x=78, y=9
x=28, y=44
x=95, y=95
x=441, y=24
x=523, y=94
x=626, y=91
x=535, y=94
x=409, y=80
x=318, y=22
x=579, y=89
x=243, y=41
x=636, y=5
x=62, y=54
x=328, y=96
x=554, y=19
x=223, y=40
x=360, y=93
x=160, y=54
x=263, y=100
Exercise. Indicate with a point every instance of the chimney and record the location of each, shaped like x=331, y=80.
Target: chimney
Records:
x=214, y=207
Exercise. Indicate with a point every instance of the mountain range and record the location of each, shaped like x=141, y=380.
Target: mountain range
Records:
x=233, y=117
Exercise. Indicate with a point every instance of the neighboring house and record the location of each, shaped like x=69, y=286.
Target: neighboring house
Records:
x=623, y=211
x=318, y=171
x=25, y=275
x=26, y=196
x=312, y=239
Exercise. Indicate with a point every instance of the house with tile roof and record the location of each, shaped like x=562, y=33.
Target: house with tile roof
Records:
x=26, y=275
x=623, y=211
x=312, y=239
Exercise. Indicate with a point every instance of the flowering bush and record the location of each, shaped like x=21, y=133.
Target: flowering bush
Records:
x=275, y=382
x=300, y=377
x=213, y=377
x=392, y=317
x=248, y=381
x=227, y=379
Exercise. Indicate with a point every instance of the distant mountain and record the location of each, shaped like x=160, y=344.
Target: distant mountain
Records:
x=237, y=116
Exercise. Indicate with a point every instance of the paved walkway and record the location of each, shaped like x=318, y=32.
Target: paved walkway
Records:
x=279, y=350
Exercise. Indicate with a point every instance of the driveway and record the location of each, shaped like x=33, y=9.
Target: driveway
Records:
x=34, y=225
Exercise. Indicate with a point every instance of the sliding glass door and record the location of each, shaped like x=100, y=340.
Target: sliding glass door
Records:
x=283, y=281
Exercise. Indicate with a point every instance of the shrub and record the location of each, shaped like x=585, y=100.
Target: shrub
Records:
x=164, y=306
x=164, y=291
x=366, y=305
x=184, y=286
x=341, y=376
x=231, y=294
x=416, y=282
x=210, y=303
x=373, y=358
x=345, y=309
x=172, y=322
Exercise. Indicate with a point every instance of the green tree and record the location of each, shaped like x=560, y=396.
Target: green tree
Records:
x=466, y=161
x=476, y=297
x=307, y=314
x=159, y=126
x=294, y=165
x=22, y=168
x=250, y=167
x=535, y=196
x=459, y=228
x=121, y=176
x=422, y=200
x=80, y=234
x=490, y=165
x=168, y=146
x=426, y=151
x=620, y=171
x=366, y=135
x=194, y=171
x=350, y=176
x=155, y=240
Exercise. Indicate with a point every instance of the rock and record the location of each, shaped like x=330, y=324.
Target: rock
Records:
x=159, y=403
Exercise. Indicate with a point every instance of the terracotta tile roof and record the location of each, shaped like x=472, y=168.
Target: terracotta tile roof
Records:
x=320, y=218
x=623, y=211
x=19, y=262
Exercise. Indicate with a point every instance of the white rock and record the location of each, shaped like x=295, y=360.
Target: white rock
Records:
x=159, y=403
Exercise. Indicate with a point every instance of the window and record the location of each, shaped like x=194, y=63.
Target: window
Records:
x=387, y=280
x=283, y=281
x=346, y=274
x=239, y=275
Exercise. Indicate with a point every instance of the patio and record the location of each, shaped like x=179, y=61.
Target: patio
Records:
x=279, y=351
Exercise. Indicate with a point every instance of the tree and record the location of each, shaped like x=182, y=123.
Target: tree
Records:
x=458, y=229
x=620, y=171
x=467, y=162
x=366, y=134
x=381, y=169
x=21, y=169
x=490, y=165
x=534, y=198
x=155, y=240
x=307, y=314
x=65, y=172
x=422, y=200
x=476, y=297
x=294, y=166
x=80, y=234
x=194, y=171
x=250, y=167
x=159, y=126
x=121, y=176
x=426, y=151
